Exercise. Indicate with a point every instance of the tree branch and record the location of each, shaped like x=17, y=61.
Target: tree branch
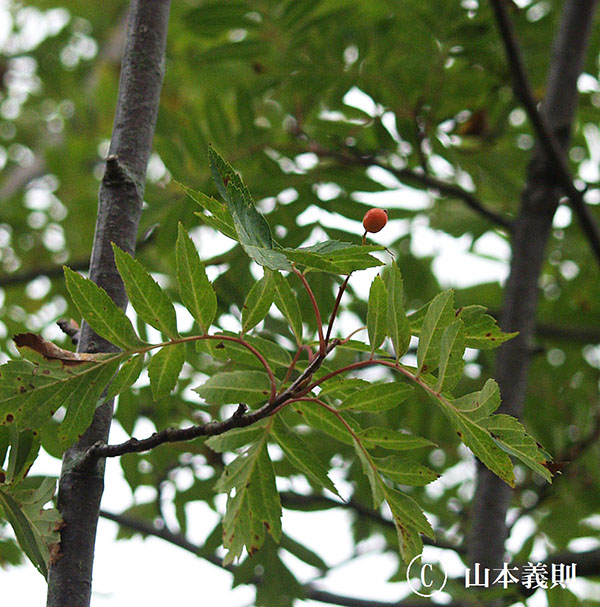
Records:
x=352, y=156
x=588, y=564
x=310, y=590
x=240, y=419
x=529, y=237
x=292, y=500
x=119, y=208
x=548, y=138
x=56, y=271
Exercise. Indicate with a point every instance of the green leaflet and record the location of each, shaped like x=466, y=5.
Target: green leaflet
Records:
x=164, y=369
x=31, y=392
x=275, y=355
x=404, y=471
x=410, y=521
x=258, y=302
x=287, y=303
x=377, y=397
x=342, y=388
x=478, y=439
x=392, y=439
x=375, y=482
x=479, y=405
x=252, y=229
x=232, y=387
x=300, y=455
x=322, y=419
x=236, y=437
x=255, y=506
x=24, y=447
x=511, y=435
x=150, y=302
x=35, y=527
x=197, y=294
x=481, y=330
x=127, y=375
x=377, y=313
x=216, y=214
x=82, y=400
x=101, y=312
x=335, y=257
x=398, y=327
x=439, y=315
x=300, y=551
x=452, y=348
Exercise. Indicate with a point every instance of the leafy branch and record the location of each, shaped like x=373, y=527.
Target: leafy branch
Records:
x=275, y=394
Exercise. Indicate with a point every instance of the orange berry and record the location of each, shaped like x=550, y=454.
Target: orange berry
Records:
x=375, y=219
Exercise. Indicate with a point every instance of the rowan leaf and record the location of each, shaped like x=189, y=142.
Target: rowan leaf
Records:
x=287, y=303
x=478, y=438
x=150, y=302
x=35, y=527
x=164, y=369
x=481, y=404
x=404, y=471
x=398, y=327
x=82, y=400
x=24, y=447
x=255, y=507
x=377, y=313
x=481, y=330
x=216, y=214
x=251, y=227
x=511, y=435
x=377, y=397
x=439, y=315
x=197, y=294
x=258, y=302
x=101, y=312
x=32, y=390
x=375, y=482
x=452, y=348
x=392, y=439
x=335, y=257
x=300, y=455
x=127, y=375
x=409, y=521
x=236, y=437
x=232, y=387
x=236, y=352
x=326, y=421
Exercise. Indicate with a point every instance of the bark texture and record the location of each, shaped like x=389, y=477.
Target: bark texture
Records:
x=119, y=209
x=529, y=238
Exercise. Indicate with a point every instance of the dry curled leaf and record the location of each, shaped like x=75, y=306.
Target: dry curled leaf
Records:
x=51, y=351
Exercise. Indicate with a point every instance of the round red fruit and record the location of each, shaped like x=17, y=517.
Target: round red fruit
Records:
x=375, y=219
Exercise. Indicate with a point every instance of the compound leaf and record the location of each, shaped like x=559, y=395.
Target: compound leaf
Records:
x=101, y=312
x=150, y=302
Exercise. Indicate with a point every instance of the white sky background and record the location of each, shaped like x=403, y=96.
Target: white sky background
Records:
x=153, y=573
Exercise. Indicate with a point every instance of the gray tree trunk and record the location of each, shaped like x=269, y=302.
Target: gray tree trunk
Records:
x=531, y=231
x=119, y=209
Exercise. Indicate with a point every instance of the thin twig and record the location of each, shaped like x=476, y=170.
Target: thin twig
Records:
x=545, y=135
x=352, y=156
x=57, y=271
x=338, y=299
x=310, y=591
x=313, y=301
